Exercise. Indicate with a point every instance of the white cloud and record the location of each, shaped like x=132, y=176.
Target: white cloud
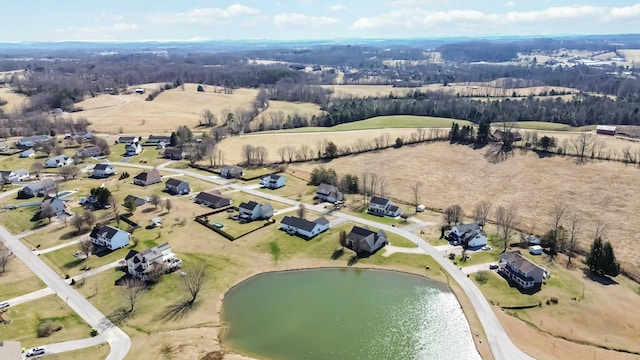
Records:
x=473, y=22
x=510, y=4
x=206, y=16
x=402, y=3
x=109, y=17
x=90, y=33
x=338, y=7
x=296, y=19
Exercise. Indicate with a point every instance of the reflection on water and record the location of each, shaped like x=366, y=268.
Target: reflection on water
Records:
x=337, y=314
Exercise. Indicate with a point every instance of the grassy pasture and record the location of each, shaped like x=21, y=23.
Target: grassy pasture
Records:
x=288, y=108
x=100, y=351
x=631, y=55
x=14, y=100
x=18, y=279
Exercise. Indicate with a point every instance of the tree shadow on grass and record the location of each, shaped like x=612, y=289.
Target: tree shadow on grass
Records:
x=601, y=279
x=337, y=254
x=179, y=311
x=120, y=316
x=353, y=260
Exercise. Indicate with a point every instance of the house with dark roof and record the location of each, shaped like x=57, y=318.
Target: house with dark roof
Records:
x=272, y=181
x=230, y=171
x=110, y=237
x=251, y=210
x=102, y=170
x=175, y=153
x=58, y=161
x=136, y=200
x=147, y=178
x=329, y=193
x=133, y=149
x=89, y=151
x=501, y=135
x=156, y=139
x=176, y=187
x=38, y=188
x=30, y=141
x=127, y=140
x=147, y=264
x=383, y=207
x=468, y=235
x=56, y=205
x=367, y=241
x=304, y=228
x=212, y=199
x=521, y=271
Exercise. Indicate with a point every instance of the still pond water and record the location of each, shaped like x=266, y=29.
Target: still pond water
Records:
x=345, y=314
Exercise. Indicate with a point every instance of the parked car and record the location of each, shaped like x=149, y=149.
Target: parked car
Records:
x=486, y=248
x=4, y=305
x=493, y=266
x=40, y=350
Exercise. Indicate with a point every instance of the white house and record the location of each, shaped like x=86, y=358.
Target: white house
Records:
x=468, y=235
x=56, y=205
x=38, y=188
x=521, y=270
x=103, y=171
x=230, y=171
x=148, y=263
x=133, y=149
x=304, y=228
x=109, y=237
x=58, y=161
x=273, y=181
x=369, y=241
x=329, y=193
x=28, y=153
x=251, y=210
x=14, y=176
x=383, y=207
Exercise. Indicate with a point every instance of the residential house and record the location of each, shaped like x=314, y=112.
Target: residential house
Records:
x=329, y=193
x=56, y=205
x=151, y=262
x=500, y=135
x=212, y=199
x=273, y=181
x=383, y=207
x=136, y=200
x=468, y=235
x=14, y=176
x=147, y=178
x=38, y=188
x=30, y=141
x=251, y=210
x=28, y=153
x=304, y=228
x=230, y=171
x=368, y=241
x=156, y=139
x=127, y=140
x=110, y=237
x=133, y=149
x=103, y=171
x=58, y=161
x=81, y=136
x=524, y=273
x=176, y=187
x=161, y=145
x=89, y=151
x=175, y=154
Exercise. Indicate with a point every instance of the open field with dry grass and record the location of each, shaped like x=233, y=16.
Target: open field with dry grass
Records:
x=631, y=55
x=132, y=114
x=14, y=100
x=287, y=108
x=453, y=174
x=18, y=279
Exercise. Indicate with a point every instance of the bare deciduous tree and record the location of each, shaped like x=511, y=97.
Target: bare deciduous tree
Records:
x=481, y=212
x=261, y=153
x=5, y=254
x=132, y=289
x=574, y=233
x=89, y=217
x=156, y=200
x=453, y=214
x=47, y=212
x=557, y=215
x=36, y=168
x=77, y=221
x=583, y=145
x=194, y=279
x=168, y=205
x=68, y=171
x=506, y=221
x=415, y=191
x=301, y=211
x=86, y=246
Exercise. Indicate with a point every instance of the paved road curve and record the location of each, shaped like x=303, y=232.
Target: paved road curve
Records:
x=501, y=345
x=117, y=339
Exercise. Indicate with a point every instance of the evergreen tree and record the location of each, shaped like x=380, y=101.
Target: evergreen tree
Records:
x=174, y=139
x=602, y=260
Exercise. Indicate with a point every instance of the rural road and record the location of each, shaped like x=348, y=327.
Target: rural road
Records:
x=501, y=345
x=119, y=342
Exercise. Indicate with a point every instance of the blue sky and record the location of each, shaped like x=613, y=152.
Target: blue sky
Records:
x=126, y=20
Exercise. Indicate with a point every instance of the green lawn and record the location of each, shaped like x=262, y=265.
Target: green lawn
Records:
x=397, y=240
x=321, y=246
x=392, y=121
x=480, y=257
x=497, y=290
x=411, y=260
x=536, y=125
x=19, y=220
x=93, y=352
x=26, y=317
x=361, y=212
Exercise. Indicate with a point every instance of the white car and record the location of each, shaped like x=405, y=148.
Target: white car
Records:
x=40, y=350
x=4, y=305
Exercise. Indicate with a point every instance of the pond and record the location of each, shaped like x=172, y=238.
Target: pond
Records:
x=345, y=314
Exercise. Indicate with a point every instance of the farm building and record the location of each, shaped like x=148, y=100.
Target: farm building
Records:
x=606, y=130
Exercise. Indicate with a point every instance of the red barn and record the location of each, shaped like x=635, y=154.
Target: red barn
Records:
x=606, y=130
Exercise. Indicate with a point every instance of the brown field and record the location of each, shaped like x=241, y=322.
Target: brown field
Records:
x=18, y=279
x=132, y=114
x=631, y=55
x=453, y=174
x=14, y=100
x=287, y=108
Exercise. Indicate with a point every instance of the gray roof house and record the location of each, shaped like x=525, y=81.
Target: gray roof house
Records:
x=230, y=171
x=304, y=228
x=58, y=161
x=127, y=140
x=468, y=235
x=103, y=170
x=212, y=199
x=109, y=237
x=56, y=205
x=136, y=200
x=89, y=151
x=273, y=181
x=29, y=141
x=147, y=264
x=383, y=207
x=175, y=153
x=28, y=153
x=521, y=271
x=155, y=139
x=14, y=176
x=38, y=188
x=176, y=187
x=369, y=241
x=251, y=210
x=329, y=193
